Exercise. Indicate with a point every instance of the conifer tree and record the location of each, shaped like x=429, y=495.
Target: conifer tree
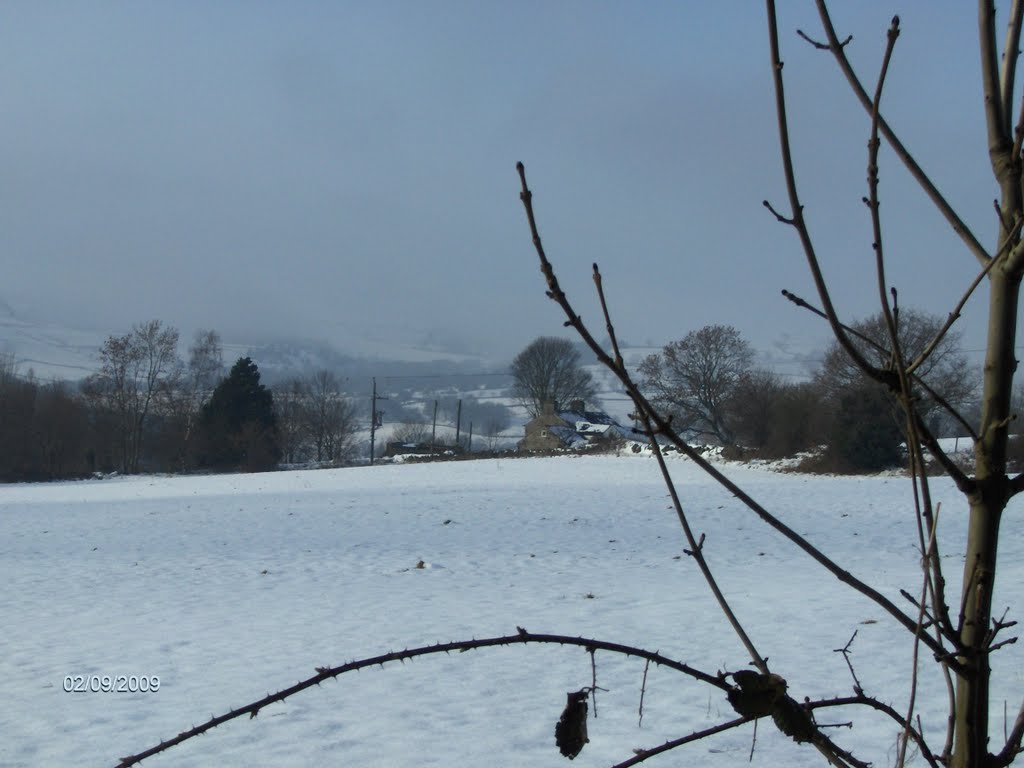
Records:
x=239, y=424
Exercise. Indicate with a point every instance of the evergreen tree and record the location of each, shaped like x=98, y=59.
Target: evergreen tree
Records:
x=865, y=435
x=239, y=425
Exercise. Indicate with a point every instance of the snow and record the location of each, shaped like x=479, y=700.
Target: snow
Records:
x=229, y=587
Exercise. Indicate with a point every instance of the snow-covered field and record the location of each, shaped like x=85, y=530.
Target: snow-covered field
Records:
x=228, y=587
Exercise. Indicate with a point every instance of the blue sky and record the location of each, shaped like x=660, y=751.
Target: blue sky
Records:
x=346, y=171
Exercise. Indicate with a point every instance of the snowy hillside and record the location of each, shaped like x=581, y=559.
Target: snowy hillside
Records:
x=228, y=587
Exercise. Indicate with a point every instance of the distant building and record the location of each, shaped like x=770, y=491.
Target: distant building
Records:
x=573, y=428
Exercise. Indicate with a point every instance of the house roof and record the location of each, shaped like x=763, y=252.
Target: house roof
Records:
x=584, y=424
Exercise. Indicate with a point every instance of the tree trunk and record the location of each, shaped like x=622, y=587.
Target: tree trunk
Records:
x=986, y=507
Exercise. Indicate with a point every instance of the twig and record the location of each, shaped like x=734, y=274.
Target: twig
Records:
x=327, y=673
x=1011, y=52
x=823, y=46
x=797, y=220
x=845, y=650
x=884, y=708
x=927, y=557
x=1013, y=742
x=753, y=744
x=644, y=754
x=662, y=426
x=696, y=547
x=643, y=692
x=644, y=411
x=607, y=318
x=593, y=676
x=953, y=316
x=954, y=220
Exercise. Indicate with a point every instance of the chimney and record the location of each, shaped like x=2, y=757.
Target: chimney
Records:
x=576, y=406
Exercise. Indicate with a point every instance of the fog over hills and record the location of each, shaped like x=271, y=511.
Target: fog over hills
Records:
x=52, y=351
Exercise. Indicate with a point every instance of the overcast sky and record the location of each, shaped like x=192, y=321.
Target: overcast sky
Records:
x=345, y=171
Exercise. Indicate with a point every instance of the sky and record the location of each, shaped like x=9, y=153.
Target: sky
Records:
x=345, y=171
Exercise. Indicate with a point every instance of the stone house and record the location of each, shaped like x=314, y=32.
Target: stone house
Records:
x=572, y=428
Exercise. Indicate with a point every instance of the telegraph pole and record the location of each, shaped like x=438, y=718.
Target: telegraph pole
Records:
x=458, y=422
x=376, y=419
x=433, y=429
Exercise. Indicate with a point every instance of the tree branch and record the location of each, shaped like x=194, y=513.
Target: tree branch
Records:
x=797, y=220
x=696, y=548
x=955, y=314
x=644, y=754
x=996, y=115
x=662, y=426
x=1013, y=742
x=1016, y=485
x=1011, y=52
x=958, y=225
x=868, y=701
x=522, y=637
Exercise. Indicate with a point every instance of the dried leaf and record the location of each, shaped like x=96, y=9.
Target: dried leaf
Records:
x=571, y=730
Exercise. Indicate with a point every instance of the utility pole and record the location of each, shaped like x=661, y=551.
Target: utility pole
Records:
x=469, y=447
x=433, y=429
x=376, y=419
x=458, y=422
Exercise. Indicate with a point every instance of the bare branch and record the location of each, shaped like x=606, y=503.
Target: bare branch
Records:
x=1011, y=52
x=794, y=200
x=845, y=650
x=662, y=426
x=643, y=754
x=873, y=205
x=951, y=216
x=929, y=561
x=1016, y=484
x=696, y=547
x=643, y=692
x=607, y=318
x=328, y=673
x=823, y=46
x=996, y=115
x=1013, y=742
x=955, y=314
x=886, y=709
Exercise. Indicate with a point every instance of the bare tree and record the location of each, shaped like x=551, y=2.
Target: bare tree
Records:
x=492, y=427
x=696, y=380
x=290, y=404
x=943, y=380
x=136, y=370
x=548, y=370
x=412, y=432
x=329, y=416
x=195, y=384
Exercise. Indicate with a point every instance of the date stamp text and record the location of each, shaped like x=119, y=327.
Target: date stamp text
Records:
x=111, y=683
